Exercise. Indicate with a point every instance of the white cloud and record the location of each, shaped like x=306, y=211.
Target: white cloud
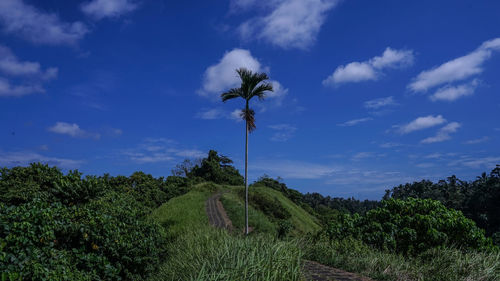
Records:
x=38, y=27
x=289, y=23
x=292, y=169
x=24, y=158
x=210, y=114
x=390, y=145
x=29, y=71
x=476, y=141
x=444, y=133
x=10, y=65
x=236, y=115
x=354, y=122
x=475, y=162
x=99, y=9
x=451, y=93
x=283, y=132
x=422, y=123
x=8, y=90
x=222, y=76
x=72, y=130
x=370, y=69
x=457, y=69
x=380, y=102
x=157, y=150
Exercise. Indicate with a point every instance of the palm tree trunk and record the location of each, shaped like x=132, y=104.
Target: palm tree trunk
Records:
x=246, y=173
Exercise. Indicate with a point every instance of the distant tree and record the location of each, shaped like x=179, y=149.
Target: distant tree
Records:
x=216, y=168
x=252, y=85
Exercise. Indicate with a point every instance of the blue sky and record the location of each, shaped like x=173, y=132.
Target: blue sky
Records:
x=368, y=94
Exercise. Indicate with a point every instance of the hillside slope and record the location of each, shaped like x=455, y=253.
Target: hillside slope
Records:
x=268, y=208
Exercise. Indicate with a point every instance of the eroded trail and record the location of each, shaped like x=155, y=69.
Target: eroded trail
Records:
x=312, y=271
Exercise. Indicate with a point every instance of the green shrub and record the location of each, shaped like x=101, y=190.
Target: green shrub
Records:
x=64, y=227
x=411, y=227
x=218, y=169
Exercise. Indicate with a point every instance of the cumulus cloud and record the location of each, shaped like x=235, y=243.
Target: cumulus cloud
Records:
x=354, y=122
x=283, y=132
x=287, y=23
x=222, y=76
x=451, y=93
x=99, y=9
x=422, y=123
x=72, y=130
x=370, y=69
x=380, y=102
x=39, y=27
x=444, y=133
x=457, y=69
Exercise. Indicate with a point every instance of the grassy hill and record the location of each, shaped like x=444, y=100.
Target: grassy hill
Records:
x=197, y=251
x=262, y=219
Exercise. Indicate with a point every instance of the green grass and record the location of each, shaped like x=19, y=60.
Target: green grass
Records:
x=302, y=221
x=210, y=254
x=235, y=210
x=444, y=264
x=197, y=251
x=183, y=213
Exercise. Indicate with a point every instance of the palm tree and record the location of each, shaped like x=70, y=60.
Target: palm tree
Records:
x=252, y=85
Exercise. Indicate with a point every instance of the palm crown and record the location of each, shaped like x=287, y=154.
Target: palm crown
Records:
x=252, y=85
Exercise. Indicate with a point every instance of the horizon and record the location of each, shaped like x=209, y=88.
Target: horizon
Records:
x=367, y=95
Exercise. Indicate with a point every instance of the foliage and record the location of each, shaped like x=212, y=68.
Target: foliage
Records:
x=218, y=169
x=478, y=199
x=56, y=226
x=411, y=227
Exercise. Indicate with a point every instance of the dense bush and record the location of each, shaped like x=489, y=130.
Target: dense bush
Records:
x=477, y=199
x=64, y=227
x=411, y=226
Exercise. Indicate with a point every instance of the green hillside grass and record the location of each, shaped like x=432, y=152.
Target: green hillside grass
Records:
x=302, y=221
x=197, y=251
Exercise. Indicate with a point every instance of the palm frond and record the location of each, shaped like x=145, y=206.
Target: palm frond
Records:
x=261, y=89
x=249, y=116
x=231, y=94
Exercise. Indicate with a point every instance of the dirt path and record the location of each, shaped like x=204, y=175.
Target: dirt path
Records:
x=217, y=216
x=313, y=271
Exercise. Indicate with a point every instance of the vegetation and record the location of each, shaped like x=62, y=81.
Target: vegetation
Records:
x=436, y=264
x=196, y=251
x=56, y=226
x=477, y=200
x=252, y=85
x=65, y=227
x=411, y=227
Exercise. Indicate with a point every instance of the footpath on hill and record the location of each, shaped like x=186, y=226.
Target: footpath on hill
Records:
x=313, y=271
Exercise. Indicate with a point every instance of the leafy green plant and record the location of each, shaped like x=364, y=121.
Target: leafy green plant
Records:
x=411, y=227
